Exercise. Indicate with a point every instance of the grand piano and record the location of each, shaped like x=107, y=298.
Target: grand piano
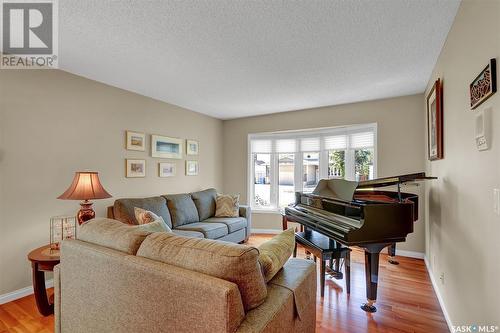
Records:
x=360, y=214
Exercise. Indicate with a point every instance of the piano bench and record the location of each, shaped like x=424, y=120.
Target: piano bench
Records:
x=326, y=249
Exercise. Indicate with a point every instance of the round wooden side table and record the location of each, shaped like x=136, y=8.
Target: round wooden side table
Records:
x=43, y=260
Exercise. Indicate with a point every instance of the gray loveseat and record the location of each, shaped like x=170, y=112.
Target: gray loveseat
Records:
x=188, y=214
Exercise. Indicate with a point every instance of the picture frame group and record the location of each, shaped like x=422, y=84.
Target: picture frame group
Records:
x=163, y=147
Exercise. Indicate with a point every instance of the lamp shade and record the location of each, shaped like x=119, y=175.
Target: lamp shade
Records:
x=85, y=186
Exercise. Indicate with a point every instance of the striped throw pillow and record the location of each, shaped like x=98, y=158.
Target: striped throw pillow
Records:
x=227, y=205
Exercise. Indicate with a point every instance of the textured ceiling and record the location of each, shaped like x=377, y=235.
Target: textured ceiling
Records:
x=235, y=58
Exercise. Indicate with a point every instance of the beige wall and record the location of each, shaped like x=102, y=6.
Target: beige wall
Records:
x=400, y=144
x=463, y=231
x=52, y=124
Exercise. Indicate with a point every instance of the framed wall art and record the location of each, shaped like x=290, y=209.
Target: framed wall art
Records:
x=135, y=168
x=166, y=147
x=435, y=121
x=166, y=169
x=192, y=168
x=135, y=141
x=192, y=147
x=484, y=85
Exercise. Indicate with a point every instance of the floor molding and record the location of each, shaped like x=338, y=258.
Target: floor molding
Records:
x=20, y=293
x=266, y=231
x=410, y=254
x=438, y=295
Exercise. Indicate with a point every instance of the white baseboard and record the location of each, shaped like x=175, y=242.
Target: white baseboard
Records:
x=266, y=231
x=438, y=295
x=410, y=254
x=20, y=293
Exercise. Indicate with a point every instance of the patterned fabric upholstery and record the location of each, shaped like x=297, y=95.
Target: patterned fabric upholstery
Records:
x=188, y=233
x=112, y=234
x=138, y=295
x=227, y=205
x=274, y=253
x=148, y=295
x=290, y=303
x=205, y=203
x=182, y=209
x=232, y=262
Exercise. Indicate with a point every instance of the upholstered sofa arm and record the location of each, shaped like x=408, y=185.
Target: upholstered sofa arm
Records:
x=135, y=294
x=57, y=298
x=246, y=212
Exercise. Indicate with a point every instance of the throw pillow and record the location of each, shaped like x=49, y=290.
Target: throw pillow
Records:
x=146, y=217
x=274, y=253
x=227, y=205
x=155, y=226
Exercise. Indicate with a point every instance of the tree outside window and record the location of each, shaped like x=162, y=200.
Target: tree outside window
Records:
x=363, y=164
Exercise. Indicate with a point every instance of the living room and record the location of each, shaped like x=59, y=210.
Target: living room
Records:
x=231, y=122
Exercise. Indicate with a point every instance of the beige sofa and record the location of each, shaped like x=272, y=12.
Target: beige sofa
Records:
x=119, y=278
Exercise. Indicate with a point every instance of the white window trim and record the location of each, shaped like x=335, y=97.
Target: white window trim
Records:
x=298, y=167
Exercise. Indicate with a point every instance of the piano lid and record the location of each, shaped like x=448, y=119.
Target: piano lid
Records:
x=395, y=180
x=336, y=189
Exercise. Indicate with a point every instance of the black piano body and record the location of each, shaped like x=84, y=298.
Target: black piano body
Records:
x=368, y=218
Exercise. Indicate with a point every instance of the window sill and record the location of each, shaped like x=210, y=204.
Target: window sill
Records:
x=266, y=211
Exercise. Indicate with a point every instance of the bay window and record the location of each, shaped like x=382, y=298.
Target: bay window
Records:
x=283, y=163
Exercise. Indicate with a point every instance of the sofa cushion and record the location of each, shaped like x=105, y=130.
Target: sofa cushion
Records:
x=123, y=209
x=233, y=223
x=275, y=252
x=231, y=262
x=188, y=233
x=113, y=234
x=209, y=230
x=182, y=209
x=205, y=202
x=290, y=303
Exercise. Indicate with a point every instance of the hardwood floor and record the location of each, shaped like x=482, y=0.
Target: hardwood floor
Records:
x=406, y=302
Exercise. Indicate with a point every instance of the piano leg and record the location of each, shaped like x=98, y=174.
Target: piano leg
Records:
x=391, y=250
x=284, y=222
x=372, y=254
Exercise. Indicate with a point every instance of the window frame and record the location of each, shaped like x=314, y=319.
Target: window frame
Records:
x=298, y=158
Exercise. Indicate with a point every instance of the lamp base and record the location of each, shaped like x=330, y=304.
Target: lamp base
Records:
x=85, y=213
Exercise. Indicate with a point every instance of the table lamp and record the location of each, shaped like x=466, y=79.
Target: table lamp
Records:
x=85, y=186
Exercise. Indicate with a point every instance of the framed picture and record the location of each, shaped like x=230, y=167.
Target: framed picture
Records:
x=166, y=147
x=166, y=169
x=136, y=141
x=135, y=168
x=484, y=85
x=435, y=121
x=191, y=168
x=192, y=147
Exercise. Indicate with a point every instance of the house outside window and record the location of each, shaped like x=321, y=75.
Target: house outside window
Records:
x=283, y=163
